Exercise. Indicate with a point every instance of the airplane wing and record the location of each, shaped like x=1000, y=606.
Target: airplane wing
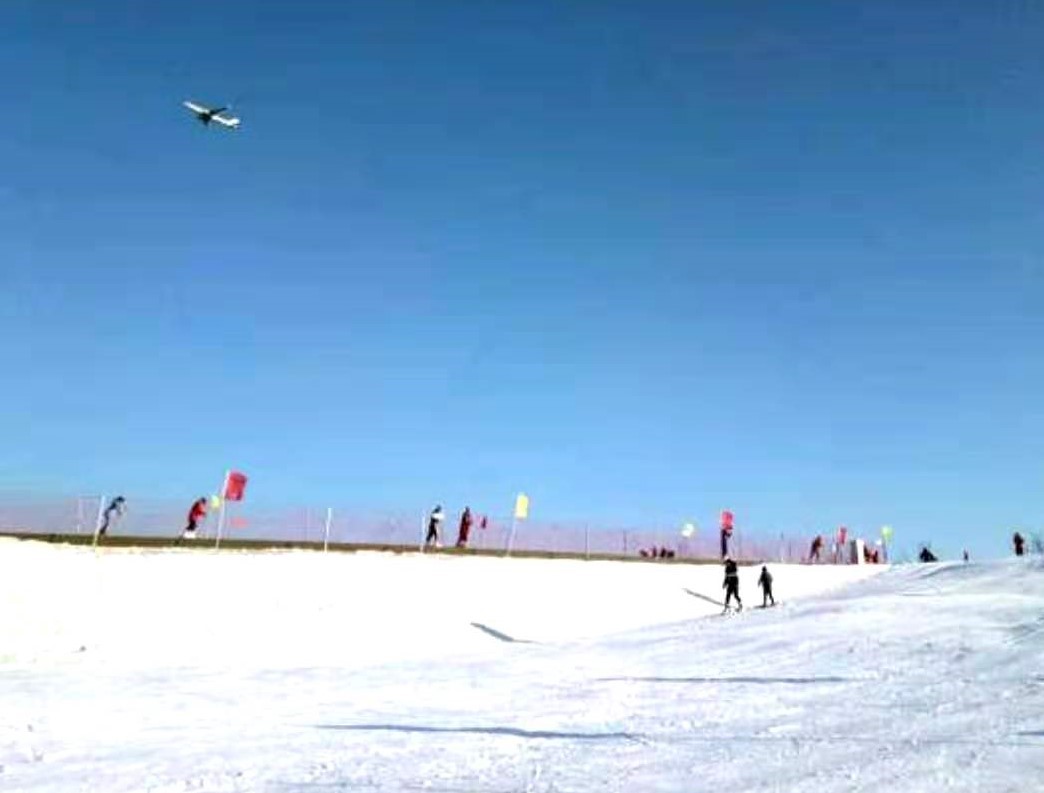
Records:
x=196, y=108
x=231, y=123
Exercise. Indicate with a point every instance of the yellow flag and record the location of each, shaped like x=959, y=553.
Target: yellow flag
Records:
x=215, y=502
x=522, y=506
x=688, y=530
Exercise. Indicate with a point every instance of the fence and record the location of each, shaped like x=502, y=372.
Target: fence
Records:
x=159, y=518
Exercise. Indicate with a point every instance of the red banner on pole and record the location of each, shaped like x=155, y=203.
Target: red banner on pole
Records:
x=726, y=520
x=235, y=486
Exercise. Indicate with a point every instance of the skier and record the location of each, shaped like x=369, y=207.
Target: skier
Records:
x=112, y=513
x=434, y=524
x=731, y=584
x=817, y=545
x=1019, y=543
x=196, y=515
x=966, y=556
x=927, y=556
x=765, y=582
x=465, y=528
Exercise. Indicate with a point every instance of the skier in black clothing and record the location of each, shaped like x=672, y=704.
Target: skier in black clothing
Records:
x=1019, y=543
x=434, y=524
x=731, y=584
x=765, y=582
x=112, y=513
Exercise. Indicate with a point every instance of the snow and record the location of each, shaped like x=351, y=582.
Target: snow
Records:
x=185, y=669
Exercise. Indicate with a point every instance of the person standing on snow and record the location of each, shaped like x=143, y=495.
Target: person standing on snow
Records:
x=434, y=525
x=117, y=507
x=465, y=528
x=731, y=584
x=765, y=582
x=817, y=546
x=1019, y=542
x=197, y=514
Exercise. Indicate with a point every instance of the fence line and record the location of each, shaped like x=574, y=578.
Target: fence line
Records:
x=336, y=526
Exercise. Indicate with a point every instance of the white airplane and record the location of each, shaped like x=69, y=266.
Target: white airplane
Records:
x=206, y=115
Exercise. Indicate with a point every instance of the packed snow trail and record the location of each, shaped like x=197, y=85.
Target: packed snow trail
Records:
x=379, y=673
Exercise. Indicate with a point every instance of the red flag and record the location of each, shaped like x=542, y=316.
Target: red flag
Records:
x=235, y=485
x=726, y=520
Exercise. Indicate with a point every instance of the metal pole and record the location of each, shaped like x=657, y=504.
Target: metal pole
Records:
x=587, y=541
x=511, y=536
x=326, y=532
x=98, y=520
x=221, y=514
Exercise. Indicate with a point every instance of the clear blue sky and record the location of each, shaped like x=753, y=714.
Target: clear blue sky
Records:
x=642, y=260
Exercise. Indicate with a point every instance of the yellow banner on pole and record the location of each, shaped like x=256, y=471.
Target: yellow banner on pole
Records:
x=522, y=507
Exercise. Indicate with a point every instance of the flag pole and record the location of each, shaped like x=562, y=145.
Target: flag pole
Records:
x=511, y=535
x=98, y=520
x=326, y=533
x=221, y=514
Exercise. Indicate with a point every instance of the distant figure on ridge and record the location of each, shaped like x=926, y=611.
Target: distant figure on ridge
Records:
x=731, y=584
x=465, y=528
x=197, y=514
x=434, y=525
x=1019, y=542
x=817, y=546
x=116, y=509
x=765, y=582
x=927, y=556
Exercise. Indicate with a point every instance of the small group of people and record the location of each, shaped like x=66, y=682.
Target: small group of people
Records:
x=731, y=586
x=433, y=539
x=117, y=508
x=656, y=553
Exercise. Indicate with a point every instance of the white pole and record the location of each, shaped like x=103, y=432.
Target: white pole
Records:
x=326, y=531
x=79, y=514
x=587, y=541
x=221, y=514
x=98, y=520
x=511, y=536
x=423, y=531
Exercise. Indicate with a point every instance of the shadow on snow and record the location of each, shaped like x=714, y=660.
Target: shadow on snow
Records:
x=498, y=635
x=511, y=732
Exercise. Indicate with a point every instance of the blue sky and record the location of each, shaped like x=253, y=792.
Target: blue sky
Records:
x=642, y=260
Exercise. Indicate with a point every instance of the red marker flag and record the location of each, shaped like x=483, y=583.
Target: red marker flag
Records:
x=235, y=486
x=726, y=521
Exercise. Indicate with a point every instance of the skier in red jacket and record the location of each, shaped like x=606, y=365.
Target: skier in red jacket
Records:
x=196, y=515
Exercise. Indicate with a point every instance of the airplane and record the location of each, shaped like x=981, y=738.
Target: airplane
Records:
x=206, y=115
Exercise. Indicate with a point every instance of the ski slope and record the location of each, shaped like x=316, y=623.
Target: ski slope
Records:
x=185, y=670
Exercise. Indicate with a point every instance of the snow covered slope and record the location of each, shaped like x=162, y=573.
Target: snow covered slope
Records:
x=181, y=670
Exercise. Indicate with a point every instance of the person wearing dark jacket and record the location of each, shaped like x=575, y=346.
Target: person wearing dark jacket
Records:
x=1019, y=543
x=112, y=513
x=434, y=526
x=465, y=528
x=765, y=582
x=731, y=584
x=927, y=556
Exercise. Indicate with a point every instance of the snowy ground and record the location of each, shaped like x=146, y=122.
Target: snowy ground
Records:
x=183, y=670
